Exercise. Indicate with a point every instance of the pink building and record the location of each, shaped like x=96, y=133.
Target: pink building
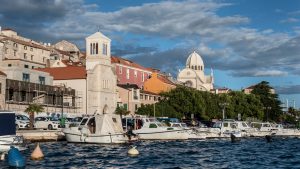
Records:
x=130, y=72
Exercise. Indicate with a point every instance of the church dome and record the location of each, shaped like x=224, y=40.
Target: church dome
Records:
x=195, y=62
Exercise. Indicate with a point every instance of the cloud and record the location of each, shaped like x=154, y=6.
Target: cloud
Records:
x=290, y=20
x=225, y=42
x=293, y=89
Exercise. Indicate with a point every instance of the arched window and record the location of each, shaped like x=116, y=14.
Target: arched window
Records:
x=195, y=67
x=192, y=67
x=199, y=68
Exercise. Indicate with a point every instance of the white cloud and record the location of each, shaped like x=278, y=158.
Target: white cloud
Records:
x=270, y=73
x=290, y=20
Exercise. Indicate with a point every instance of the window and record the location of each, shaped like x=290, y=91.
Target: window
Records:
x=155, y=99
x=120, y=69
x=15, y=45
x=135, y=96
x=152, y=125
x=93, y=48
x=141, y=97
x=25, y=47
x=32, y=67
x=9, y=65
x=26, y=66
x=225, y=124
x=127, y=73
x=146, y=97
x=15, y=53
x=150, y=97
x=44, y=59
x=26, y=77
x=25, y=55
x=135, y=73
x=104, y=51
x=31, y=49
x=42, y=80
x=143, y=77
x=31, y=57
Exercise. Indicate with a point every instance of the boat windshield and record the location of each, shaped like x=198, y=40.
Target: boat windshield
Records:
x=244, y=125
x=175, y=125
x=83, y=121
x=266, y=125
x=217, y=125
x=183, y=125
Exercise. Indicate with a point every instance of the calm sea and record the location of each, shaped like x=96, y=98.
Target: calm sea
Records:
x=249, y=153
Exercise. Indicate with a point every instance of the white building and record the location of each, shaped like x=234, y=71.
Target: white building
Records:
x=193, y=74
x=101, y=76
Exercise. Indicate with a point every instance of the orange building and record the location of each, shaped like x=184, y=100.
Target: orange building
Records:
x=158, y=83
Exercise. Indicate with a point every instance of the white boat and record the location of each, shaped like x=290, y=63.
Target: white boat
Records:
x=222, y=129
x=192, y=132
x=261, y=129
x=105, y=128
x=151, y=129
x=281, y=131
x=8, y=135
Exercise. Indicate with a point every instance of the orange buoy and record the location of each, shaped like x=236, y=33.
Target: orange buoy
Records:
x=37, y=154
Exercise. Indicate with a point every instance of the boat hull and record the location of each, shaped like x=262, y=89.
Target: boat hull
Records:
x=77, y=137
x=162, y=135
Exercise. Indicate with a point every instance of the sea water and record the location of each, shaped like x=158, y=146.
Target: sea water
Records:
x=248, y=153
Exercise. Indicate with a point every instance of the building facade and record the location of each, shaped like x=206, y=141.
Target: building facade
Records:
x=193, y=74
x=101, y=76
x=2, y=90
x=129, y=72
x=158, y=83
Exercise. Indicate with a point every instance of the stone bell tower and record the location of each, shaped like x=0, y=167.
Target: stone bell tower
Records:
x=101, y=76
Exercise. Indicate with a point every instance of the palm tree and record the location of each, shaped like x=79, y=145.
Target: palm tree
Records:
x=31, y=109
x=122, y=111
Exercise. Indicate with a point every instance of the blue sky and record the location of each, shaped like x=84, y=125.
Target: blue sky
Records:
x=244, y=41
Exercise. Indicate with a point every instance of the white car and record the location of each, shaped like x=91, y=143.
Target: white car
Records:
x=46, y=123
x=22, y=122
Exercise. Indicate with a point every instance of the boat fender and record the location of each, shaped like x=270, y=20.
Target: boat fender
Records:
x=37, y=153
x=2, y=156
x=133, y=151
x=15, y=158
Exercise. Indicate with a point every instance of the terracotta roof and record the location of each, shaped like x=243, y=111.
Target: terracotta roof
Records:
x=2, y=73
x=129, y=63
x=128, y=86
x=147, y=92
x=165, y=79
x=66, y=73
x=26, y=43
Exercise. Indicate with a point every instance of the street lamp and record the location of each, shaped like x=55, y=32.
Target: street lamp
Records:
x=223, y=105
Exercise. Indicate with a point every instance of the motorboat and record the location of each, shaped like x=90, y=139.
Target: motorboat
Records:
x=104, y=128
x=222, y=129
x=281, y=131
x=8, y=135
x=192, y=133
x=261, y=129
x=151, y=129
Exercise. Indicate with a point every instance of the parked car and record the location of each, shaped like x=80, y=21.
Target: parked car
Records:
x=22, y=122
x=74, y=122
x=46, y=123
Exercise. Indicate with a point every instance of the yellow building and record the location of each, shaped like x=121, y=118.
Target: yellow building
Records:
x=158, y=83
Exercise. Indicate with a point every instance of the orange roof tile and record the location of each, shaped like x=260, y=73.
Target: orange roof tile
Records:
x=165, y=79
x=66, y=73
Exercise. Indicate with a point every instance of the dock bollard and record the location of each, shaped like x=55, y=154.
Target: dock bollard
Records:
x=37, y=154
x=133, y=151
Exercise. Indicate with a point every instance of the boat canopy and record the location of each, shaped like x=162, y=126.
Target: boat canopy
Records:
x=7, y=123
x=108, y=123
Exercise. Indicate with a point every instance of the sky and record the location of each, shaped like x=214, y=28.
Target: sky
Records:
x=243, y=41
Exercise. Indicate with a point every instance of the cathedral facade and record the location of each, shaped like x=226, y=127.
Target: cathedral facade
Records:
x=193, y=74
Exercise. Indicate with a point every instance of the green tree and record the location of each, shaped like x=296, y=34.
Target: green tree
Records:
x=121, y=110
x=31, y=109
x=269, y=100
